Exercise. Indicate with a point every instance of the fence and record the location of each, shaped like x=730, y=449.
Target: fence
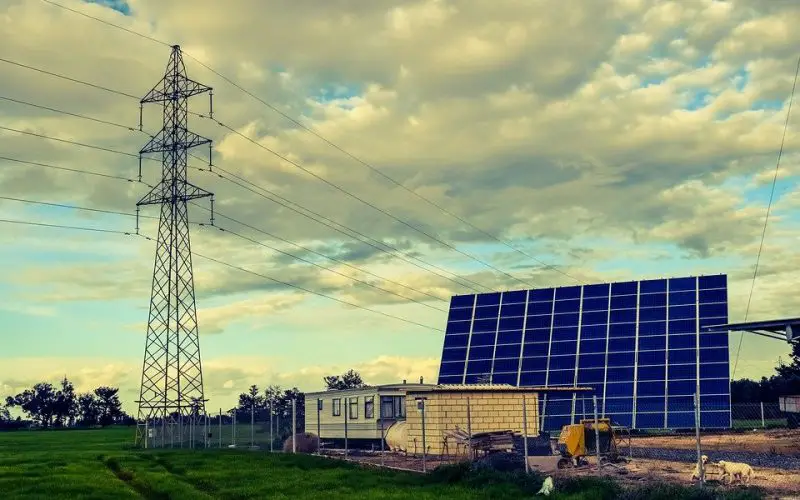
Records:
x=256, y=428
x=448, y=428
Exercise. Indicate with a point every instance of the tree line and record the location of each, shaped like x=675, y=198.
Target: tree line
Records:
x=49, y=406
x=59, y=406
x=785, y=382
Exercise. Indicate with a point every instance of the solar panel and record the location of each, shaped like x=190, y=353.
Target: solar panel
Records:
x=641, y=345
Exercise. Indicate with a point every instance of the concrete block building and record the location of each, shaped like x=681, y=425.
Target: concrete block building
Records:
x=479, y=408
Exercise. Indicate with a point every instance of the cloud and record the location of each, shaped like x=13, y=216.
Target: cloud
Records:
x=582, y=135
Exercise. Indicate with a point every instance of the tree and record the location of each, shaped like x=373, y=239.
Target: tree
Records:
x=5, y=415
x=65, y=404
x=300, y=407
x=110, y=408
x=88, y=409
x=251, y=400
x=792, y=370
x=39, y=403
x=349, y=380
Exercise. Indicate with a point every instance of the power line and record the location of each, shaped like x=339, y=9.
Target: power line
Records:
x=319, y=294
x=301, y=259
x=243, y=180
x=217, y=214
x=339, y=148
x=97, y=120
x=73, y=207
x=132, y=32
x=73, y=170
x=297, y=287
x=769, y=207
x=372, y=242
x=320, y=254
x=76, y=115
x=62, y=226
x=64, y=77
x=78, y=81
x=399, y=253
x=113, y=212
x=371, y=205
x=74, y=143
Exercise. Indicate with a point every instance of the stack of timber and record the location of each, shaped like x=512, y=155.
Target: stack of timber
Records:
x=486, y=442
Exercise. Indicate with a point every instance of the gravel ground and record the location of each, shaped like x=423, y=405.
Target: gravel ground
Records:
x=779, y=484
x=753, y=458
x=779, y=441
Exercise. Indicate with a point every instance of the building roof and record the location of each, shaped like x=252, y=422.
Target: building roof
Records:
x=497, y=388
x=779, y=329
x=416, y=388
x=373, y=388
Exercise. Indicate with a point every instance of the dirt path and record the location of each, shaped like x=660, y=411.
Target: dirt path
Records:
x=777, y=483
x=784, y=442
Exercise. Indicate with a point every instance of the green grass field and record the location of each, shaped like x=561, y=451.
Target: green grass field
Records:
x=98, y=464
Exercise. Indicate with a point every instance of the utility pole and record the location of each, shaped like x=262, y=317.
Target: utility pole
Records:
x=172, y=374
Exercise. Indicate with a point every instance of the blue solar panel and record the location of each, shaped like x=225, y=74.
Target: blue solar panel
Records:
x=638, y=344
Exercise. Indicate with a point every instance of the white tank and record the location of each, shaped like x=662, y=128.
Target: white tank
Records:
x=397, y=436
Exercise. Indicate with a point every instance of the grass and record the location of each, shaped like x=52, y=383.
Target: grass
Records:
x=769, y=423
x=100, y=464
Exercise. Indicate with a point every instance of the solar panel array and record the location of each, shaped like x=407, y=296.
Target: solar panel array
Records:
x=639, y=344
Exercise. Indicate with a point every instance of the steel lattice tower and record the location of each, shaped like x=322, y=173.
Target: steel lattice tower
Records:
x=171, y=397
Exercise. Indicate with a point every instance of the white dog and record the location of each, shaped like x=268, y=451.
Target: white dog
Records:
x=696, y=471
x=735, y=470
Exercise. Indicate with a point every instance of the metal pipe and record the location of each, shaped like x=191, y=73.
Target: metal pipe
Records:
x=525, y=432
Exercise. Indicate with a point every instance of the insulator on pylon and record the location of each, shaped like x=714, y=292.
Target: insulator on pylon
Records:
x=140, y=167
x=211, y=103
x=210, y=152
x=212, y=210
x=137, y=220
x=141, y=112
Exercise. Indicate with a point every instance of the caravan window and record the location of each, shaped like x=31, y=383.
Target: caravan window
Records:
x=369, y=407
x=353, y=408
x=393, y=407
x=336, y=407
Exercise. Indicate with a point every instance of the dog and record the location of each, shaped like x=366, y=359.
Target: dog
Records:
x=734, y=470
x=696, y=471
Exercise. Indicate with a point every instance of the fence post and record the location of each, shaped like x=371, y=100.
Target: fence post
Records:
x=252, y=423
x=543, y=412
x=220, y=428
x=294, y=425
x=763, y=423
x=271, y=436
x=346, y=408
x=525, y=432
x=697, y=436
x=319, y=427
x=233, y=432
x=596, y=430
x=424, y=444
x=469, y=432
x=383, y=436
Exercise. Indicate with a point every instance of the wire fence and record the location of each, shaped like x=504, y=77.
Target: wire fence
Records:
x=424, y=432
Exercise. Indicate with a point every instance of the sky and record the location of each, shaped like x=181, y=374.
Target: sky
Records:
x=558, y=143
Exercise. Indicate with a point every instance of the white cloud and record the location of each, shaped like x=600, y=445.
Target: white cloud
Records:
x=553, y=125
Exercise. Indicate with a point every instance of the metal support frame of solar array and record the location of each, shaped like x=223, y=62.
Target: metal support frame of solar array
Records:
x=641, y=345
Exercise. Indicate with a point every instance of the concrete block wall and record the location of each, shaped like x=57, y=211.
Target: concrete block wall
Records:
x=489, y=411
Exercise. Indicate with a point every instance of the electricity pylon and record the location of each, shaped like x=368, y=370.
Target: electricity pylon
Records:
x=171, y=398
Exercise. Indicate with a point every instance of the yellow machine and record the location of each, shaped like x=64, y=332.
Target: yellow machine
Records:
x=578, y=441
